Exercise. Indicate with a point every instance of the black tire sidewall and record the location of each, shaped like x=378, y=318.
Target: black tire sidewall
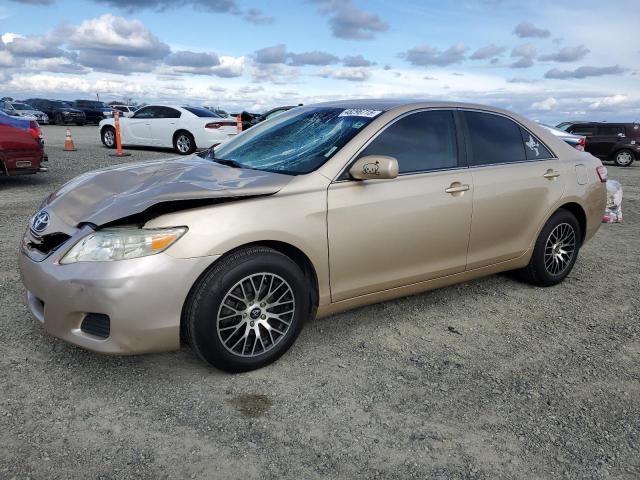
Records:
x=205, y=303
x=543, y=277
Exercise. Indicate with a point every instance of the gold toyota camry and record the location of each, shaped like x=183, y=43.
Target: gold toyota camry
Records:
x=320, y=209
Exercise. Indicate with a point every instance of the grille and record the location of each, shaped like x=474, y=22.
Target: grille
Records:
x=48, y=243
x=97, y=324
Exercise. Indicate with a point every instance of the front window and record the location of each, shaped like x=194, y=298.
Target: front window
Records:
x=295, y=142
x=21, y=106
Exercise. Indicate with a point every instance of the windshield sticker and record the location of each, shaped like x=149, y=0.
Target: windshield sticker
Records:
x=330, y=152
x=359, y=112
x=533, y=145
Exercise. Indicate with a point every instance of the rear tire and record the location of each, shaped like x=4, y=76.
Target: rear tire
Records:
x=108, y=137
x=624, y=158
x=184, y=143
x=246, y=311
x=555, y=251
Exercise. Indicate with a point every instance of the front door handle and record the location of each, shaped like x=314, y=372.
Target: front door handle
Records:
x=457, y=187
x=551, y=174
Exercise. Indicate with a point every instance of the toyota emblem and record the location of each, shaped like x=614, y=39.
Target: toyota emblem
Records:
x=40, y=221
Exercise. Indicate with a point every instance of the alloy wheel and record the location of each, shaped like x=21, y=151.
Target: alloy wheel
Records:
x=623, y=158
x=255, y=314
x=183, y=143
x=559, y=249
x=109, y=138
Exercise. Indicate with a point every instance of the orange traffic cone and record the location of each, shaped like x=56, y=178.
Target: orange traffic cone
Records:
x=68, y=142
x=239, y=123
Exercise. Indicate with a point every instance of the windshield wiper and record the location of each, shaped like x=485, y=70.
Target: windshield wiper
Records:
x=229, y=163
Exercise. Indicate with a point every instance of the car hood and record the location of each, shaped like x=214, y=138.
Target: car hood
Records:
x=110, y=194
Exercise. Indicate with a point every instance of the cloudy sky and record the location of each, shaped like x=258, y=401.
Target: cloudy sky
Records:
x=548, y=60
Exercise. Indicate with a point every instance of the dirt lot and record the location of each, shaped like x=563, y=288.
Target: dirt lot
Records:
x=489, y=379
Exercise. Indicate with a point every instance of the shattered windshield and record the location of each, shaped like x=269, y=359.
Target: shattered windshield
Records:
x=295, y=142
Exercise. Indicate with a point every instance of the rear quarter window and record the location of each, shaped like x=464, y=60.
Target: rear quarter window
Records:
x=533, y=147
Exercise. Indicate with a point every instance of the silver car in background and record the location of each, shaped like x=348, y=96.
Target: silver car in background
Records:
x=19, y=109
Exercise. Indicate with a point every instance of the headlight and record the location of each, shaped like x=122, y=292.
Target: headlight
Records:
x=66, y=114
x=122, y=243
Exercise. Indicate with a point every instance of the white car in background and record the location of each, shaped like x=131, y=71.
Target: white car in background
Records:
x=182, y=128
x=125, y=110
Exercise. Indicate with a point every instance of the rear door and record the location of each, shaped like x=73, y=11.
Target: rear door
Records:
x=605, y=139
x=163, y=126
x=516, y=182
x=390, y=233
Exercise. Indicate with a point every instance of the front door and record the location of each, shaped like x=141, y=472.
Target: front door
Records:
x=137, y=129
x=390, y=233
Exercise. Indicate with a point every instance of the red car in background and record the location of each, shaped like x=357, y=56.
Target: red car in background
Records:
x=21, y=146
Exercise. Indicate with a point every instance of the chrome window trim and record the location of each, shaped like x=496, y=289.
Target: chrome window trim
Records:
x=354, y=157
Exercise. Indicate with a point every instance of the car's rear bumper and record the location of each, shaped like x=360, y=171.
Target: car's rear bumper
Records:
x=143, y=299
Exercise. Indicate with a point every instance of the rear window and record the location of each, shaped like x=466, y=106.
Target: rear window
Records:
x=583, y=130
x=201, y=112
x=494, y=139
x=610, y=129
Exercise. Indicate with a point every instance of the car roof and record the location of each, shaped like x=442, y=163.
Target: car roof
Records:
x=390, y=104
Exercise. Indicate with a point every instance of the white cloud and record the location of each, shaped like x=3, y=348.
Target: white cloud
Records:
x=9, y=37
x=547, y=104
x=611, y=101
x=117, y=36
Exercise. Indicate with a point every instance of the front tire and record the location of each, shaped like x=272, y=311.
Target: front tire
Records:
x=555, y=251
x=624, y=158
x=247, y=310
x=58, y=119
x=184, y=143
x=108, y=137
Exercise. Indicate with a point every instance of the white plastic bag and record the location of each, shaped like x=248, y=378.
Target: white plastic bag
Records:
x=613, y=211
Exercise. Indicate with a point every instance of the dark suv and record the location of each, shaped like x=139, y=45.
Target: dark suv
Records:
x=94, y=111
x=619, y=142
x=59, y=112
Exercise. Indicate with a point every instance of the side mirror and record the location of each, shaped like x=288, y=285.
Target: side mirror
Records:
x=621, y=135
x=374, y=167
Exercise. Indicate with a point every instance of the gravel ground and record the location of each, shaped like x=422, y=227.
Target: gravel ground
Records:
x=484, y=380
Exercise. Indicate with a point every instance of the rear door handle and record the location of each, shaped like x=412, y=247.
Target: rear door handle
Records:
x=455, y=188
x=551, y=174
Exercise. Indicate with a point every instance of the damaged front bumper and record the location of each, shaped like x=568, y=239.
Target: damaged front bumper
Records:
x=140, y=299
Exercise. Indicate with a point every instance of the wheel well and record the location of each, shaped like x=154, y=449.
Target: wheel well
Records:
x=627, y=148
x=104, y=128
x=181, y=131
x=580, y=215
x=294, y=253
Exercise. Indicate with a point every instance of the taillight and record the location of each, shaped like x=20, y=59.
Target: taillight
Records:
x=582, y=142
x=602, y=173
x=35, y=130
x=220, y=124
